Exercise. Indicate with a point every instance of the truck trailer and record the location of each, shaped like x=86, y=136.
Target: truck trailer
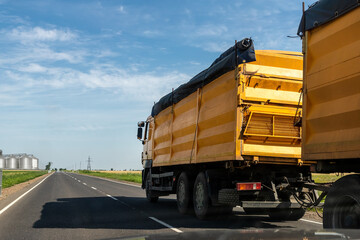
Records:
x=231, y=137
x=330, y=32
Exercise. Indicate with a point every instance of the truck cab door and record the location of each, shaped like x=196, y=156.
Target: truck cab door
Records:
x=147, y=149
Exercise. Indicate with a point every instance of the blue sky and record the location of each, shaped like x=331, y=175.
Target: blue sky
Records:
x=76, y=76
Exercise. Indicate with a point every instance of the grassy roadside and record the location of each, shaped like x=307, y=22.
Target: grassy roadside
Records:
x=11, y=178
x=127, y=176
x=324, y=178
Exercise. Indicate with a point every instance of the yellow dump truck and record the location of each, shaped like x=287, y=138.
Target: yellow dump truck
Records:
x=330, y=31
x=231, y=137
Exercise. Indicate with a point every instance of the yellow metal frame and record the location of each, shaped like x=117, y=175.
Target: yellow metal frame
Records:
x=273, y=127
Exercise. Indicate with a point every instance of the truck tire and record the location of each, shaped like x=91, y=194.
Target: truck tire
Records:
x=279, y=214
x=286, y=214
x=149, y=195
x=184, y=193
x=201, y=199
x=296, y=214
x=342, y=204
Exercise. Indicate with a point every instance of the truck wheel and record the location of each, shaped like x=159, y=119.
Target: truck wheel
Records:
x=201, y=199
x=296, y=214
x=280, y=214
x=149, y=194
x=342, y=204
x=184, y=193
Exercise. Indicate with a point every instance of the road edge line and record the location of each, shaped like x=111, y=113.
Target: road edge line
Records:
x=166, y=225
x=106, y=179
x=310, y=221
x=13, y=202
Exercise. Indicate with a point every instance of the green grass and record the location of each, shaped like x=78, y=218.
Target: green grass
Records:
x=131, y=177
x=11, y=178
x=324, y=178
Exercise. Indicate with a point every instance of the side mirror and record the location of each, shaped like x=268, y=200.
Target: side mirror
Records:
x=141, y=124
x=139, y=133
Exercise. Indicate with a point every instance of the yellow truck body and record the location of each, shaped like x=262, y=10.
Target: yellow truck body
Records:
x=246, y=114
x=331, y=111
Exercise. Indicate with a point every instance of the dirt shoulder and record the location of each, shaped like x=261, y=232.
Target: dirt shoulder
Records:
x=11, y=190
x=310, y=215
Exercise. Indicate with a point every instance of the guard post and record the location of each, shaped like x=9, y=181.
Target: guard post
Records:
x=1, y=171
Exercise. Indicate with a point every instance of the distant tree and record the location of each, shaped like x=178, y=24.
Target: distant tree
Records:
x=48, y=166
x=112, y=169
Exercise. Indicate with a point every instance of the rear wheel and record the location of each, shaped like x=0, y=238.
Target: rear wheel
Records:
x=184, y=193
x=296, y=214
x=201, y=199
x=149, y=194
x=342, y=204
x=285, y=214
x=280, y=214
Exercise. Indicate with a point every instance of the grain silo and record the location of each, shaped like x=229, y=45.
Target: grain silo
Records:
x=25, y=162
x=12, y=162
x=2, y=162
x=35, y=163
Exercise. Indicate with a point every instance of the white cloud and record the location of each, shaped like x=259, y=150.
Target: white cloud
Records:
x=40, y=34
x=22, y=55
x=211, y=30
x=33, y=68
x=152, y=33
x=127, y=84
x=194, y=63
x=121, y=9
x=213, y=46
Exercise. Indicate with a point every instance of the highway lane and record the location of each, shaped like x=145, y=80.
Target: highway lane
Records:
x=73, y=206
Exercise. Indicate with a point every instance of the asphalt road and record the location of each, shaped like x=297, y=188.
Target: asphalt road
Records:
x=73, y=206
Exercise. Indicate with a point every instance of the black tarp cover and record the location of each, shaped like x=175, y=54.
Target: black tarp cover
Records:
x=324, y=11
x=223, y=64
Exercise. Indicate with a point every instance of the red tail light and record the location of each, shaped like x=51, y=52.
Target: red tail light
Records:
x=248, y=186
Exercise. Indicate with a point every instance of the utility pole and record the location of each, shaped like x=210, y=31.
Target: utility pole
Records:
x=88, y=164
x=80, y=165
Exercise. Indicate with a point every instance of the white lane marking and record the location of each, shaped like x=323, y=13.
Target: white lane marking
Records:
x=79, y=181
x=94, y=188
x=305, y=220
x=111, y=197
x=13, y=202
x=84, y=183
x=166, y=225
x=132, y=185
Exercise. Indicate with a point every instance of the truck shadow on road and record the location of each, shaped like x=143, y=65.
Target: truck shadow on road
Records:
x=134, y=213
